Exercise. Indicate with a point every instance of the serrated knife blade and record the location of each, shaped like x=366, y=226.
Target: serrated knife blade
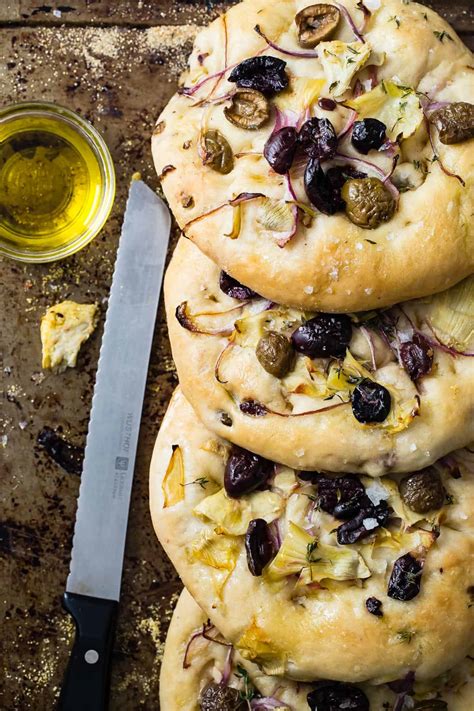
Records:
x=93, y=585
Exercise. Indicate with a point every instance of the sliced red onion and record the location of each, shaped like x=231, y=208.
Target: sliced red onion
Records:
x=227, y=671
x=266, y=703
x=206, y=628
x=363, y=8
x=284, y=118
x=215, y=100
x=436, y=343
x=437, y=157
x=282, y=50
x=368, y=337
x=350, y=21
x=358, y=89
x=373, y=75
x=350, y=122
x=284, y=237
x=327, y=408
x=242, y=197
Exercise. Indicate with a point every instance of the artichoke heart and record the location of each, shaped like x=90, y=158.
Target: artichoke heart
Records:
x=451, y=316
x=300, y=95
x=398, y=107
x=173, y=481
x=344, y=378
x=275, y=215
x=250, y=329
x=314, y=561
x=232, y=516
x=216, y=551
x=341, y=61
x=306, y=379
x=255, y=645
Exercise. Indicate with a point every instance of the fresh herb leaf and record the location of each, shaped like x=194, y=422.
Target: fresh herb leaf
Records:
x=202, y=481
x=405, y=636
x=370, y=241
x=441, y=35
x=310, y=548
x=396, y=20
x=249, y=691
x=333, y=85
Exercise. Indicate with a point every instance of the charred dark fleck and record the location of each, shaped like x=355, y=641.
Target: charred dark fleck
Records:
x=258, y=545
x=405, y=580
x=374, y=606
x=67, y=455
x=325, y=335
x=234, y=288
x=318, y=138
x=279, y=150
x=371, y=402
x=417, y=356
x=264, y=73
x=368, y=134
x=226, y=419
x=245, y=472
x=337, y=695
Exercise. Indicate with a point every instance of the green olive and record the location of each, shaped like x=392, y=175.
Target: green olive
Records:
x=316, y=23
x=217, y=153
x=249, y=109
x=423, y=491
x=217, y=697
x=275, y=354
x=368, y=202
x=455, y=122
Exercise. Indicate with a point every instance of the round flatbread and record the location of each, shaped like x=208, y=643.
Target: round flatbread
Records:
x=306, y=616
x=403, y=70
x=216, y=343
x=192, y=661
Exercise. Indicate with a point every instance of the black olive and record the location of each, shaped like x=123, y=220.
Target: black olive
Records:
x=258, y=545
x=324, y=336
x=318, y=138
x=374, y=606
x=454, y=122
x=416, y=356
x=67, y=455
x=368, y=134
x=371, y=402
x=275, y=354
x=320, y=190
x=218, y=697
x=279, y=150
x=263, y=73
x=355, y=529
x=327, y=104
x=234, y=288
x=253, y=408
x=423, y=491
x=340, y=496
x=337, y=695
x=405, y=580
x=245, y=472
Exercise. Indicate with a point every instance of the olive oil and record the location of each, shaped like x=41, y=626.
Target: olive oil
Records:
x=56, y=182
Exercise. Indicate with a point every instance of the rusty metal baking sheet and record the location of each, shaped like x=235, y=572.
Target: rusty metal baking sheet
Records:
x=117, y=64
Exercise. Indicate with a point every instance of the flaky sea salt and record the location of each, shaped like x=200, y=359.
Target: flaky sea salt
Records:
x=308, y=289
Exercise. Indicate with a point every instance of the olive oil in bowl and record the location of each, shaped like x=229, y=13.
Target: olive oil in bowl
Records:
x=56, y=182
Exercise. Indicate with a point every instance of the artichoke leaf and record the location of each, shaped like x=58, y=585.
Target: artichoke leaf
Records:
x=232, y=516
x=173, y=481
x=341, y=61
x=451, y=316
x=275, y=215
x=256, y=646
x=215, y=551
x=300, y=95
x=398, y=107
x=314, y=561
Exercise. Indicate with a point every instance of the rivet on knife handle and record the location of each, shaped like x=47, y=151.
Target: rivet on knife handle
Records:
x=86, y=683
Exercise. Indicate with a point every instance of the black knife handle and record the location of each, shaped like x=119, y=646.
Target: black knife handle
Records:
x=86, y=683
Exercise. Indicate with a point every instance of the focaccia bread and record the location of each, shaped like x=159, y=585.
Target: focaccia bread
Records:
x=314, y=577
x=371, y=393
x=199, y=666
x=338, y=182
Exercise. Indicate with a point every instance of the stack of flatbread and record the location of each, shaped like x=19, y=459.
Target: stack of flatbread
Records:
x=313, y=478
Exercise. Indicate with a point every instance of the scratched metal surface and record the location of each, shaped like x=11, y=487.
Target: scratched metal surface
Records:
x=116, y=63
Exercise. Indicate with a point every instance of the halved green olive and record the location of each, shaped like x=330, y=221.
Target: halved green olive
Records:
x=368, y=202
x=249, y=109
x=316, y=23
x=423, y=491
x=216, y=151
x=455, y=122
x=275, y=354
